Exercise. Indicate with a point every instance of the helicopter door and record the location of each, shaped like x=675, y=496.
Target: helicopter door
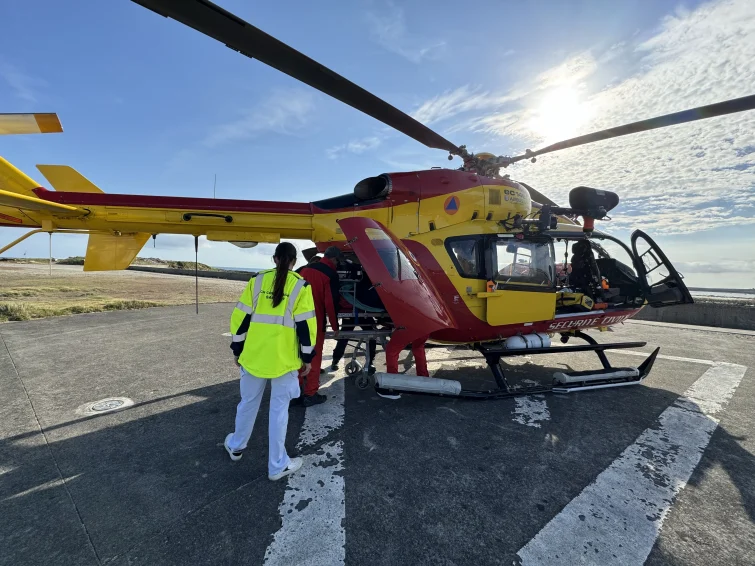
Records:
x=662, y=283
x=405, y=289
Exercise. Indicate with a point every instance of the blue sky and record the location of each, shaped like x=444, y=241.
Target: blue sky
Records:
x=150, y=106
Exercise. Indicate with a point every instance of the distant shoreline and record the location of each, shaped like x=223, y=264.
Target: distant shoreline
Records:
x=187, y=265
x=721, y=290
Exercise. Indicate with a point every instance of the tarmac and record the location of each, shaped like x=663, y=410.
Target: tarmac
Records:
x=659, y=473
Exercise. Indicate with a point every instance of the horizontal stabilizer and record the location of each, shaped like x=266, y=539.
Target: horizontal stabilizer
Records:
x=46, y=123
x=24, y=202
x=67, y=180
x=16, y=181
x=108, y=252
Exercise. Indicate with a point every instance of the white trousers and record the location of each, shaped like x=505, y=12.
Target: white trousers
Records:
x=283, y=389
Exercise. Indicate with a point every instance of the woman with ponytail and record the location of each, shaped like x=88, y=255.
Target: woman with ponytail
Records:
x=274, y=332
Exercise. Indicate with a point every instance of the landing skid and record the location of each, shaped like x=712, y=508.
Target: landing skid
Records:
x=563, y=382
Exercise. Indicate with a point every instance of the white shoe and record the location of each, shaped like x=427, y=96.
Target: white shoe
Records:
x=235, y=456
x=293, y=466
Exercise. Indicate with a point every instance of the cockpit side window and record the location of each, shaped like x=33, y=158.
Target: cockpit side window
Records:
x=394, y=259
x=466, y=254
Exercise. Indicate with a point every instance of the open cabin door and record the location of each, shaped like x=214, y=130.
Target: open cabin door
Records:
x=661, y=282
x=405, y=289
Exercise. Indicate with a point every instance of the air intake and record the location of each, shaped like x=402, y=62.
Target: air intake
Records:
x=373, y=188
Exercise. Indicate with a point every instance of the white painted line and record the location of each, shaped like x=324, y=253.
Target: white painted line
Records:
x=693, y=327
x=663, y=357
x=314, y=505
x=320, y=420
x=312, y=511
x=531, y=410
x=617, y=518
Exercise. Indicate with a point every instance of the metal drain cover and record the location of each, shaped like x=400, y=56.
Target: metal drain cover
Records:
x=108, y=405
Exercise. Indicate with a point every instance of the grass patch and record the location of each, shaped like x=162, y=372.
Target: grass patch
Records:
x=75, y=260
x=18, y=292
x=23, y=311
x=14, y=311
x=24, y=260
x=30, y=292
x=171, y=264
x=128, y=305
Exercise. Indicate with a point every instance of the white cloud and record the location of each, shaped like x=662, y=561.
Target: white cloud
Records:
x=720, y=266
x=451, y=103
x=284, y=112
x=463, y=100
x=675, y=180
x=569, y=73
x=388, y=29
x=356, y=146
x=24, y=86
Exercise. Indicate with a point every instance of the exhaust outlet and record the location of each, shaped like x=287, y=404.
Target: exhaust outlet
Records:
x=415, y=384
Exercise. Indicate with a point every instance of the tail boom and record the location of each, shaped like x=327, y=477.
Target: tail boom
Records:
x=185, y=215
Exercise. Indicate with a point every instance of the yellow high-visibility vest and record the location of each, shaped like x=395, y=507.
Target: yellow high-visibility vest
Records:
x=271, y=345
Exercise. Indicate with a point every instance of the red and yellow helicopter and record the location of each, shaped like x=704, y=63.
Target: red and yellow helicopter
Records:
x=465, y=256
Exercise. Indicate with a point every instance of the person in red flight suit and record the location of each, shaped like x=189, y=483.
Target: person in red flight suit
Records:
x=395, y=345
x=322, y=276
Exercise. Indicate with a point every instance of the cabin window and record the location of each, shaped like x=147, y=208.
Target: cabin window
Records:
x=529, y=263
x=465, y=253
x=395, y=261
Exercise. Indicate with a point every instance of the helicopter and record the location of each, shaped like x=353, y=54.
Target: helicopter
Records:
x=465, y=256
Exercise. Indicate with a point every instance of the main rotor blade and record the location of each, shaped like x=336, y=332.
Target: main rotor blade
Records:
x=691, y=115
x=536, y=195
x=241, y=36
x=39, y=123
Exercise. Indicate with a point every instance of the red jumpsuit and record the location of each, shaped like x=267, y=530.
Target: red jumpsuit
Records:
x=323, y=298
x=396, y=344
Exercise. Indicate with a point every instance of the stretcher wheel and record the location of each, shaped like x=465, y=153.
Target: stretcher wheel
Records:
x=363, y=381
x=353, y=368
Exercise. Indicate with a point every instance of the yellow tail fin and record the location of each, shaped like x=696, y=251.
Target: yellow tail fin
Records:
x=16, y=181
x=107, y=252
x=67, y=180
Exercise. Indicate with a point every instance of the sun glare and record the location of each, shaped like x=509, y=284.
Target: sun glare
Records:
x=560, y=115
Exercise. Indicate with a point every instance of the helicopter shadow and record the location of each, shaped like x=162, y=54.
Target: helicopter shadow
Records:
x=487, y=468
x=153, y=485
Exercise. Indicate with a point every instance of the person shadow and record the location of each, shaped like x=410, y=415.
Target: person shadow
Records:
x=132, y=477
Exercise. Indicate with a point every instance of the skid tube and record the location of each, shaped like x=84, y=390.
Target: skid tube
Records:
x=563, y=382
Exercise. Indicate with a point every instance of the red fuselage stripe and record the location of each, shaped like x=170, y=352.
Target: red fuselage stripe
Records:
x=181, y=203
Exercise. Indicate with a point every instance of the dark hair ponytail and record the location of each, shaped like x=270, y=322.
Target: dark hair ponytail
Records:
x=285, y=253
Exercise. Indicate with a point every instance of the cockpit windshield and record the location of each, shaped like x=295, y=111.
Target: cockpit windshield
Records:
x=529, y=263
